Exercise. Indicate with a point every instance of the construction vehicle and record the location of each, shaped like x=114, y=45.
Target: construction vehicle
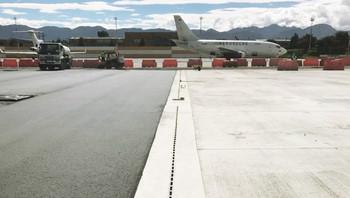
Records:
x=53, y=55
x=111, y=59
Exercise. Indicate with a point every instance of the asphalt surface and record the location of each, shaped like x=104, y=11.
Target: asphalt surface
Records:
x=86, y=133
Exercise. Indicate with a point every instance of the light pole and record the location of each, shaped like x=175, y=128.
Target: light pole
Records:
x=200, y=25
x=15, y=18
x=312, y=21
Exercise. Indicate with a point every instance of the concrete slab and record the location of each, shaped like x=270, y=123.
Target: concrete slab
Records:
x=172, y=168
x=265, y=133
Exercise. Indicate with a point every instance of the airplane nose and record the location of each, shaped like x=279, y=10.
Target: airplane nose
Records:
x=282, y=51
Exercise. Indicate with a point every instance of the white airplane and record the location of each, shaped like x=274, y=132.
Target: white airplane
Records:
x=224, y=48
x=34, y=48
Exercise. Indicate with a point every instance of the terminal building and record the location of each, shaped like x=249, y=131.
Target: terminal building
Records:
x=133, y=45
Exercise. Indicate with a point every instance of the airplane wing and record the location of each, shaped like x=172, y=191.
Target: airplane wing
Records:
x=84, y=52
x=18, y=52
x=230, y=51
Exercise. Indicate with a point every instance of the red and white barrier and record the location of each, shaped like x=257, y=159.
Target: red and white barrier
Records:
x=333, y=65
x=9, y=62
x=193, y=62
x=26, y=63
x=91, y=63
x=128, y=63
x=218, y=62
x=346, y=61
x=78, y=63
x=311, y=62
x=287, y=65
x=169, y=63
x=233, y=63
x=242, y=62
x=149, y=63
x=259, y=62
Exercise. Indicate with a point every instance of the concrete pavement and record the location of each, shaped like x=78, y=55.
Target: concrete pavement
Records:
x=260, y=133
x=86, y=133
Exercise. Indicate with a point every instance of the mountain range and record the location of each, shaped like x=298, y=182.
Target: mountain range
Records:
x=270, y=32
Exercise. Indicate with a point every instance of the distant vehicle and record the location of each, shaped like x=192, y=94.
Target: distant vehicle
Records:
x=111, y=59
x=53, y=55
x=50, y=55
x=224, y=48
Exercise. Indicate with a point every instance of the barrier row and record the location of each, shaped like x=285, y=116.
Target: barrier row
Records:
x=173, y=63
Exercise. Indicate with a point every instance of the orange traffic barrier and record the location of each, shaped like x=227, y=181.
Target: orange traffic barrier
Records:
x=78, y=63
x=311, y=62
x=36, y=63
x=333, y=65
x=91, y=63
x=287, y=65
x=323, y=60
x=9, y=62
x=26, y=63
x=170, y=63
x=242, y=62
x=193, y=62
x=274, y=61
x=149, y=63
x=259, y=62
x=128, y=63
x=218, y=62
x=346, y=61
x=233, y=63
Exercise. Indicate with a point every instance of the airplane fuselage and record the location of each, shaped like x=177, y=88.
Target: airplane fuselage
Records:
x=248, y=48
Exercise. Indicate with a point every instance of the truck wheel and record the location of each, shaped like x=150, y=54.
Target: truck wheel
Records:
x=70, y=63
x=63, y=65
x=42, y=67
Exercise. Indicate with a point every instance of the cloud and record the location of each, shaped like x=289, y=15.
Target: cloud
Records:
x=57, y=7
x=12, y=12
x=177, y=2
x=324, y=11
x=78, y=19
x=332, y=12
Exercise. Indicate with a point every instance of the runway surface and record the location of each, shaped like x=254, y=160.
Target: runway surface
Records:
x=86, y=133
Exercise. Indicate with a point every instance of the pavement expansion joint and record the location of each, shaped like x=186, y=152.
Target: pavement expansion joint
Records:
x=173, y=157
x=172, y=168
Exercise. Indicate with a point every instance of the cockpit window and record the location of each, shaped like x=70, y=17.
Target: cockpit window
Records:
x=279, y=47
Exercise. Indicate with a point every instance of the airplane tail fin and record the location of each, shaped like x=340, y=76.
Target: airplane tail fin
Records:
x=183, y=32
x=36, y=41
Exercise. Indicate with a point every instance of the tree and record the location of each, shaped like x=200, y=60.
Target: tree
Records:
x=81, y=41
x=102, y=33
x=294, y=41
x=142, y=42
x=333, y=45
x=303, y=42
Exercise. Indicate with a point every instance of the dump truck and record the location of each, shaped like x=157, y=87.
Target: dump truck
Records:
x=52, y=55
x=111, y=59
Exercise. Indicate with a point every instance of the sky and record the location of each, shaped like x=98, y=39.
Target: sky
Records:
x=221, y=15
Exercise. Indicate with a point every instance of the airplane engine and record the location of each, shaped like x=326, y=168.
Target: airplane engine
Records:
x=228, y=56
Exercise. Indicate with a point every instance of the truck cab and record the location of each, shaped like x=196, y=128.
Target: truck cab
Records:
x=53, y=55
